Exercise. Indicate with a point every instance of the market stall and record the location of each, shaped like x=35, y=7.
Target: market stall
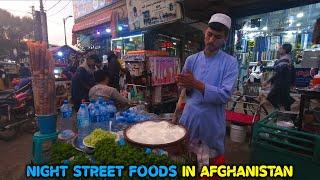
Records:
x=153, y=78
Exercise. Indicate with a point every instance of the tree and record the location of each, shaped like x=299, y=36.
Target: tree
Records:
x=13, y=30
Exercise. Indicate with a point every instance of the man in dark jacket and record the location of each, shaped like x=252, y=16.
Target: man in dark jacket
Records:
x=113, y=70
x=281, y=81
x=83, y=80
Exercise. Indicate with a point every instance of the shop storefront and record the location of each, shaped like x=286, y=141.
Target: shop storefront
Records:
x=95, y=27
x=259, y=36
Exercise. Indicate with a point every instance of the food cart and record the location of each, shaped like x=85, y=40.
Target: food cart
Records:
x=118, y=146
x=153, y=75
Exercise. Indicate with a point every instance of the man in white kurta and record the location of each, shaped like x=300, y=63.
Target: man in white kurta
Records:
x=209, y=77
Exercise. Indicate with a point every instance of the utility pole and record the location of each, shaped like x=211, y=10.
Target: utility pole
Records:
x=33, y=20
x=64, y=26
x=43, y=23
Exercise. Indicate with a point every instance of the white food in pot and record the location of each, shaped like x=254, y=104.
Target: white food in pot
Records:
x=151, y=132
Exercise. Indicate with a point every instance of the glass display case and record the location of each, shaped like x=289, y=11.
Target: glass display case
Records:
x=129, y=43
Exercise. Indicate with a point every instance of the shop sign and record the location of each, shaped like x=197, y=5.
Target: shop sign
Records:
x=166, y=44
x=146, y=13
x=93, y=20
x=84, y=7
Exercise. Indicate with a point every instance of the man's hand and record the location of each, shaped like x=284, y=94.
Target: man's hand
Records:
x=188, y=81
x=174, y=118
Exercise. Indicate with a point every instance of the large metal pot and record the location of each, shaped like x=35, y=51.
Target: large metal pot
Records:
x=176, y=147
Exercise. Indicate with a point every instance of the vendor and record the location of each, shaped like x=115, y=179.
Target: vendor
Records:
x=103, y=90
x=83, y=80
x=209, y=77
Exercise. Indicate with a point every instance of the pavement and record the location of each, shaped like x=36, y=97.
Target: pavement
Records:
x=14, y=156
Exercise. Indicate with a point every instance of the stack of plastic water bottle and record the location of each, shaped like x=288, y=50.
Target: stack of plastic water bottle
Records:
x=132, y=116
x=101, y=114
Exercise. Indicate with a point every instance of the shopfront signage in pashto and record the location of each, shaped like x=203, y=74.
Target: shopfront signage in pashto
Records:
x=84, y=7
x=146, y=13
x=93, y=20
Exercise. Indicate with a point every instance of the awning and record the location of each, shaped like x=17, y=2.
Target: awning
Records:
x=93, y=20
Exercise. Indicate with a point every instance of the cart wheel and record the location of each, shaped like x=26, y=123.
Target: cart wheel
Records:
x=250, y=109
x=235, y=103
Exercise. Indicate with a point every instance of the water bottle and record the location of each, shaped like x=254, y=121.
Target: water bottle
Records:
x=97, y=116
x=91, y=110
x=83, y=122
x=100, y=100
x=104, y=114
x=112, y=110
x=66, y=114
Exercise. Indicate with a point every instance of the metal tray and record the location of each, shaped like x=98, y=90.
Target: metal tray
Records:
x=155, y=145
x=78, y=145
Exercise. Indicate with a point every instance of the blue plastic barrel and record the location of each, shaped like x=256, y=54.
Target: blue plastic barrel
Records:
x=47, y=124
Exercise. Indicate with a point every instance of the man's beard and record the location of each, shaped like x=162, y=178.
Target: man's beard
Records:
x=213, y=47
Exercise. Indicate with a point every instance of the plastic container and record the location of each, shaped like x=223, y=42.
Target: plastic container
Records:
x=272, y=144
x=47, y=124
x=83, y=122
x=238, y=133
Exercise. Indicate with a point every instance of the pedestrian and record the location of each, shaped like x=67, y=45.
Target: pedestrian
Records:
x=83, y=80
x=2, y=78
x=69, y=71
x=282, y=80
x=24, y=72
x=209, y=78
x=113, y=70
x=125, y=78
x=256, y=73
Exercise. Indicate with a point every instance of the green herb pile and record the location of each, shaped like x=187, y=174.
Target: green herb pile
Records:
x=63, y=151
x=108, y=152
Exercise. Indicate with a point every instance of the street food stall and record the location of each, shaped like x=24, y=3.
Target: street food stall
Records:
x=153, y=78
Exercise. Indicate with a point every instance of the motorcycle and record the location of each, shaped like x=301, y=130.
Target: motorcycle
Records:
x=16, y=112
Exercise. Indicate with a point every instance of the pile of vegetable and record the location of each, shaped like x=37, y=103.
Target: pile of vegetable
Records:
x=107, y=151
x=98, y=135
